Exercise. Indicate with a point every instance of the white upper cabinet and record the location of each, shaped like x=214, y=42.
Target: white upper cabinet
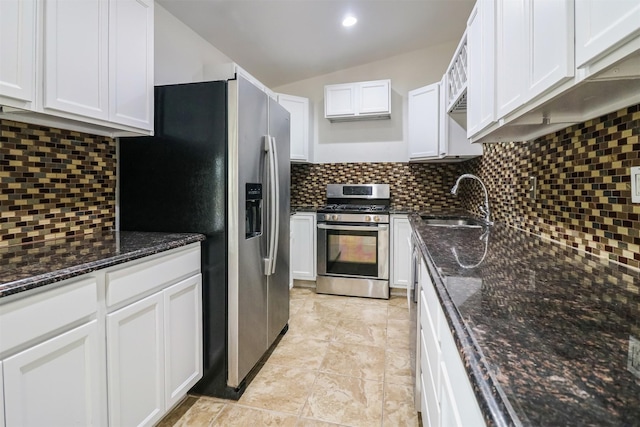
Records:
x=549, y=44
x=510, y=55
x=375, y=97
x=434, y=135
x=76, y=56
x=602, y=25
x=340, y=100
x=424, y=122
x=84, y=65
x=17, y=52
x=454, y=144
x=534, y=49
x=358, y=101
x=298, y=108
x=456, y=78
x=481, y=62
x=131, y=63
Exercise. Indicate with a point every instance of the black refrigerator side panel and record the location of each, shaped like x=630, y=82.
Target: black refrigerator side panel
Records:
x=176, y=181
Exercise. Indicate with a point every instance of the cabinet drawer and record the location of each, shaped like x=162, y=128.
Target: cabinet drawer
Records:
x=430, y=404
x=142, y=277
x=429, y=362
x=429, y=319
x=27, y=319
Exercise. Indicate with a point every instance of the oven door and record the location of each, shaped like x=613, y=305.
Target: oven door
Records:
x=353, y=250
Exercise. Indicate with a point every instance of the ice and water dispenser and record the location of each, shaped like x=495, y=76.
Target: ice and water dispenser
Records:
x=253, y=213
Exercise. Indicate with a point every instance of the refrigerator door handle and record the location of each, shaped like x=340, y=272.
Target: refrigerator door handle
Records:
x=269, y=260
x=276, y=186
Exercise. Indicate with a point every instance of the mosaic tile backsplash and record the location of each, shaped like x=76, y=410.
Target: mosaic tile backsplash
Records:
x=582, y=177
x=413, y=186
x=583, y=186
x=54, y=183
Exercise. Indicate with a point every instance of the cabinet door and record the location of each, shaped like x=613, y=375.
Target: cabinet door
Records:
x=374, y=97
x=135, y=363
x=481, y=56
x=550, y=44
x=511, y=45
x=340, y=100
x=449, y=410
x=400, y=255
x=17, y=50
x=131, y=63
x=602, y=25
x=459, y=403
x=424, y=121
x=76, y=57
x=183, y=335
x=303, y=251
x=57, y=382
x=298, y=108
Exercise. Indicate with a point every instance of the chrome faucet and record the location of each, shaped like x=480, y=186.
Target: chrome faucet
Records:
x=484, y=209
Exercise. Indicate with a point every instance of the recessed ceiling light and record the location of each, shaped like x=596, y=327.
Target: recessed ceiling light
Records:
x=349, y=21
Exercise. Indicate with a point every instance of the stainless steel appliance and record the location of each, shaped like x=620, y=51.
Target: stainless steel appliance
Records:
x=353, y=241
x=219, y=165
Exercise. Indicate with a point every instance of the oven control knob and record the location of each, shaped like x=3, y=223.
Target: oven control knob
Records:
x=327, y=217
x=376, y=218
x=367, y=218
x=334, y=217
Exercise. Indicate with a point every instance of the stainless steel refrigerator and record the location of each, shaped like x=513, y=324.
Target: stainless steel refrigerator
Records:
x=219, y=165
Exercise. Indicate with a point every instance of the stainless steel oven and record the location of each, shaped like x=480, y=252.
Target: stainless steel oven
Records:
x=353, y=242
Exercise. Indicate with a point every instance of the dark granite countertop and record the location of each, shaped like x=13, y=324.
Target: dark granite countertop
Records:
x=30, y=266
x=544, y=330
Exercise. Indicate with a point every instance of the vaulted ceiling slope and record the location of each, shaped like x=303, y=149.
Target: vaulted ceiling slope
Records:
x=283, y=41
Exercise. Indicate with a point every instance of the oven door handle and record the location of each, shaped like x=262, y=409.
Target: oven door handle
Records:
x=353, y=227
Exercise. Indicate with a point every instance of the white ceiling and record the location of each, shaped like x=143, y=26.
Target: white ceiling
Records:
x=283, y=41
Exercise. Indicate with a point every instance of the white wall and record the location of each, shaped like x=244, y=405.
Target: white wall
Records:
x=181, y=55
x=378, y=140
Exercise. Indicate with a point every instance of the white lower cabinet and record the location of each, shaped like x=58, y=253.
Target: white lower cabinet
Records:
x=461, y=405
x=183, y=338
x=154, y=353
x=57, y=382
x=116, y=347
x=303, y=248
x=400, y=251
x=135, y=362
x=447, y=399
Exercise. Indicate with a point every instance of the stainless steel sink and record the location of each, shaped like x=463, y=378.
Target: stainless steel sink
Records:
x=453, y=222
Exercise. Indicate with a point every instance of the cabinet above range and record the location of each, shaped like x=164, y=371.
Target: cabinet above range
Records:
x=358, y=101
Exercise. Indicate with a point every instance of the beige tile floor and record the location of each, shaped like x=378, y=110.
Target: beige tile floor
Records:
x=343, y=362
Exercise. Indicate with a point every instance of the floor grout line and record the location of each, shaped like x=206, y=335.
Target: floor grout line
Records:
x=339, y=311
